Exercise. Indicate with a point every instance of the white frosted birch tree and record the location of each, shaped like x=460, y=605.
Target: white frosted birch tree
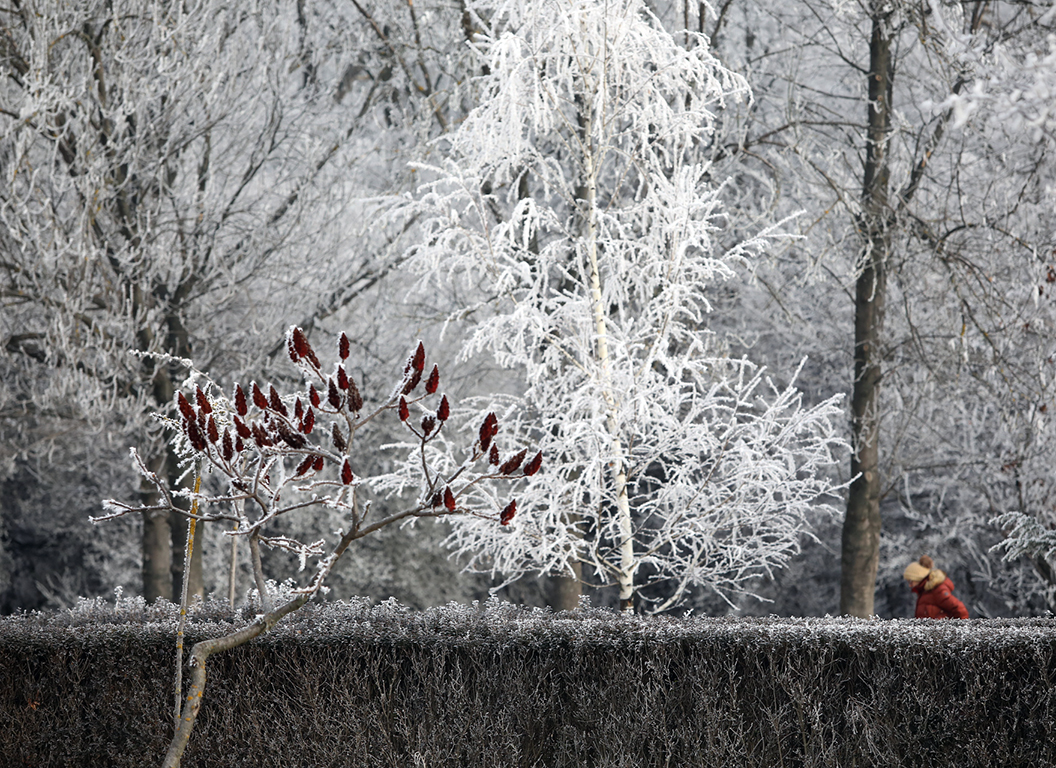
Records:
x=577, y=203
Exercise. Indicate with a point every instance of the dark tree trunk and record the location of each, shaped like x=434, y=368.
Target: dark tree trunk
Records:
x=861, y=529
x=165, y=535
x=157, y=540
x=566, y=590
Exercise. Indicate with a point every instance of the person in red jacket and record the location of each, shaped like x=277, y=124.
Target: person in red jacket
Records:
x=934, y=590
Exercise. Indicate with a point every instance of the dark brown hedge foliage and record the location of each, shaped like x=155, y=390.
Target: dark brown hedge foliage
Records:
x=493, y=685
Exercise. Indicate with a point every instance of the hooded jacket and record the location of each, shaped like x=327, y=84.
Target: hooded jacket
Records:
x=935, y=598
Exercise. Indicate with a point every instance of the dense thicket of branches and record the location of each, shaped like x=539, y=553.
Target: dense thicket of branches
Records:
x=182, y=177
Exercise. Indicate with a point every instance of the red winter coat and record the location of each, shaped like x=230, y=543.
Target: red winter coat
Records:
x=935, y=598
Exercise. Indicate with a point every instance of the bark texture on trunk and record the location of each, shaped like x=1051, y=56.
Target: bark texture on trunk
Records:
x=157, y=553
x=861, y=529
x=567, y=590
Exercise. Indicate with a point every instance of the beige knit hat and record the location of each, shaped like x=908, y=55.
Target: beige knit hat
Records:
x=919, y=570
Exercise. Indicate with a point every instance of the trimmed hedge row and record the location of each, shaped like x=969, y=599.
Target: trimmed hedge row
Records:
x=348, y=684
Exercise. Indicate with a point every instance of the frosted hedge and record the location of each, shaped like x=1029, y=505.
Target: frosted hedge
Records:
x=350, y=684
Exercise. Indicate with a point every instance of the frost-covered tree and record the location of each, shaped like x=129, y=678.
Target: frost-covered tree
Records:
x=279, y=456
x=578, y=208
x=172, y=179
x=922, y=277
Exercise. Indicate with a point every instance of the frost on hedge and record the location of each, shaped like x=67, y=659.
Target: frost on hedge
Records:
x=503, y=624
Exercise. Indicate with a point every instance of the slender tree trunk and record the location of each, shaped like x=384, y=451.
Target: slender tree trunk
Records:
x=601, y=353
x=567, y=590
x=164, y=540
x=196, y=582
x=861, y=529
x=157, y=551
x=192, y=700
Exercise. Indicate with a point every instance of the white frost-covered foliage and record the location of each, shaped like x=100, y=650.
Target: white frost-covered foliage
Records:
x=575, y=204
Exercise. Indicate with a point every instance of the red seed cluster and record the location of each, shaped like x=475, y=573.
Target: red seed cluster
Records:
x=258, y=397
x=240, y=401
x=338, y=439
x=428, y=424
x=275, y=401
x=355, y=400
x=284, y=428
x=508, y=513
x=513, y=463
x=304, y=466
x=203, y=401
x=299, y=348
x=333, y=396
x=488, y=430
x=533, y=466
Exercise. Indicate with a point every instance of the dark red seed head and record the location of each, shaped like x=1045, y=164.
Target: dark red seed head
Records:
x=488, y=430
x=338, y=439
x=403, y=411
x=212, y=431
x=533, y=466
x=508, y=513
x=302, y=347
x=239, y=447
x=319, y=462
x=240, y=401
x=194, y=435
x=342, y=377
x=418, y=359
x=449, y=499
x=203, y=401
x=493, y=456
x=513, y=463
x=343, y=346
x=304, y=466
x=298, y=409
x=228, y=446
x=259, y=436
x=412, y=380
x=428, y=423
x=433, y=382
x=332, y=395
x=241, y=428
x=313, y=396
x=276, y=401
x=309, y=422
x=258, y=397
x=444, y=410
x=346, y=473
x=355, y=400
x=185, y=407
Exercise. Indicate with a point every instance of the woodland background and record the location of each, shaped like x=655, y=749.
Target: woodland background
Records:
x=191, y=179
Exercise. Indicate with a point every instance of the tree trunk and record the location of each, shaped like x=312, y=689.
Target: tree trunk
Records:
x=567, y=590
x=861, y=529
x=625, y=575
x=157, y=555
